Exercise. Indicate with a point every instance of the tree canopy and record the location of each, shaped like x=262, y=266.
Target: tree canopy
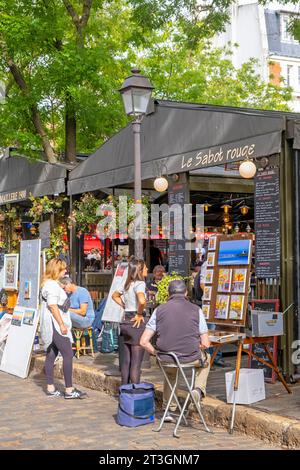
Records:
x=62, y=62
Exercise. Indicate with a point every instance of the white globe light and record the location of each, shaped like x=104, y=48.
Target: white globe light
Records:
x=161, y=184
x=247, y=169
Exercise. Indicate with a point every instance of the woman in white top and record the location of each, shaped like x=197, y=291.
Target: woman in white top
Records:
x=132, y=298
x=55, y=325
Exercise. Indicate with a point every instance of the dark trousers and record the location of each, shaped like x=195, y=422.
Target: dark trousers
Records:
x=63, y=345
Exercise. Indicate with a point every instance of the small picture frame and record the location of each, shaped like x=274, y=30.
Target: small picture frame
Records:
x=209, y=275
x=207, y=292
x=11, y=270
x=224, y=280
x=211, y=259
x=27, y=290
x=236, y=309
x=239, y=277
x=17, y=316
x=206, y=310
x=28, y=318
x=212, y=243
x=222, y=305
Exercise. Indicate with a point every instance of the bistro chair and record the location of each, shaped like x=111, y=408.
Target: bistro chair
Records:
x=180, y=371
x=81, y=347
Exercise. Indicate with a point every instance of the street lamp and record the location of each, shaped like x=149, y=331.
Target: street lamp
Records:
x=136, y=93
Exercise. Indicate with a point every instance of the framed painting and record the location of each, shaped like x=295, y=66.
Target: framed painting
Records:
x=11, y=269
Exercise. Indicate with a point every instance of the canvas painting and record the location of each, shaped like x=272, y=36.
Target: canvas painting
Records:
x=17, y=317
x=208, y=278
x=212, y=243
x=211, y=259
x=11, y=267
x=205, y=310
x=234, y=252
x=28, y=317
x=207, y=292
x=236, y=307
x=224, y=280
x=222, y=305
x=239, y=280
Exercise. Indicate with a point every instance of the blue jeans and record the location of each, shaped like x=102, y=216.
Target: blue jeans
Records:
x=80, y=322
x=211, y=326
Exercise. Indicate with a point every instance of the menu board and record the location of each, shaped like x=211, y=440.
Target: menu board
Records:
x=227, y=279
x=179, y=254
x=269, y=374
x=267, y=224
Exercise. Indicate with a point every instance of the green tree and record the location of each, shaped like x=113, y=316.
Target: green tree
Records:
x=206, y=75
x=62, y=62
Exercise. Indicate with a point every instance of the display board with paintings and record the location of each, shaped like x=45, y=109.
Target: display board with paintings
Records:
x=227, y=279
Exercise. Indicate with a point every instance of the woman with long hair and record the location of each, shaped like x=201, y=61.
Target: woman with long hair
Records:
x=56, y=329
x=132, y=298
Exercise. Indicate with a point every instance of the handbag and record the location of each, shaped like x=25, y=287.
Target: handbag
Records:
x=136, y=405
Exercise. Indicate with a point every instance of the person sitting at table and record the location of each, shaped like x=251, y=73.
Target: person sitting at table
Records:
x=181, y=328
x=151, y=286
x=81, y=304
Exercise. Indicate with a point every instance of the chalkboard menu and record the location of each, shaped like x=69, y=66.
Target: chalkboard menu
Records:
x=179, y=256
x=267, y=224
x=1, y=270
x=258, y=349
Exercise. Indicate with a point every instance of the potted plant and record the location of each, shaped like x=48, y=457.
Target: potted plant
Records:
x=163, y=285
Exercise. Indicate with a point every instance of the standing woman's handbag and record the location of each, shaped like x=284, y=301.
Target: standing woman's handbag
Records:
x=136, y=405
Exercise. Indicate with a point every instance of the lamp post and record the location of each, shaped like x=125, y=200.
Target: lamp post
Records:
x=136, y=93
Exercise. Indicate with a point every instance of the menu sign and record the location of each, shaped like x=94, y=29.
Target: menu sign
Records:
x=267, y=224
x=179, y=254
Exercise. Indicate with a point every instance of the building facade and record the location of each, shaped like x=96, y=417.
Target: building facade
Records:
x=262, y=32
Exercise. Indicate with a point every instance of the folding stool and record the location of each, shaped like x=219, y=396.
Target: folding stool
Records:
x=180, y=370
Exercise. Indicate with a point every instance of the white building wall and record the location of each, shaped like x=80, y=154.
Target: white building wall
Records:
x=247, y=28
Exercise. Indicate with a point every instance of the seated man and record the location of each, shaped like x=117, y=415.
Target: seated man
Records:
x=81, y=304
x=181, y=328
x=151, y=286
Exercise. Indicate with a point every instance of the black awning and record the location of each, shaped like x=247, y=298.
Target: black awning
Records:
x=20, y=177
x=183, y=137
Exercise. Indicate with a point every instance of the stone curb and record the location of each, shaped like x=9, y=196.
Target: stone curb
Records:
x=269, y=427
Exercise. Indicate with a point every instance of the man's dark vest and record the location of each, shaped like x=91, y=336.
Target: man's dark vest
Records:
x=177, y=327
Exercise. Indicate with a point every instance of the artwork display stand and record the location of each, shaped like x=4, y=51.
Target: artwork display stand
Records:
x=225, y=300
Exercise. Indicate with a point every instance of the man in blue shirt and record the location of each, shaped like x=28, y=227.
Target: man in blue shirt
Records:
x=81, y=304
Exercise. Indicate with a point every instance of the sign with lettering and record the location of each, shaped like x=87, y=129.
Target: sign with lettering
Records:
x=267, y=224
x=179, y=255
x=13, y=197
x=257, y=146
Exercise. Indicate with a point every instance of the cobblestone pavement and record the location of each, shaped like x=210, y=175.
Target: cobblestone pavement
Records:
x=31, y=420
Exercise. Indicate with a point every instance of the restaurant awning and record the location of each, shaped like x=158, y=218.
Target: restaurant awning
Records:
x=180, y=137
x=20, y=177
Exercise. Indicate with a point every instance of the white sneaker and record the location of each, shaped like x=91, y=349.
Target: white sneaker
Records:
x=169, y=418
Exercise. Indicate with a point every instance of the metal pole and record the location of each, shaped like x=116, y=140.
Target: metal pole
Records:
x=138, y=242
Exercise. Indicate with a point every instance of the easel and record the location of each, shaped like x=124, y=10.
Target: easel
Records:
x=231, y=323
x=240, y=349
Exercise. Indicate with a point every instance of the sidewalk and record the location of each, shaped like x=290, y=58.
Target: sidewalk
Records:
x=275, y=420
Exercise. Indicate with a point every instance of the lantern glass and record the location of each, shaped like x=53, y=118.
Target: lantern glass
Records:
x=161, y=184
x=244, y=210
x=247, y=169
x=136, y=100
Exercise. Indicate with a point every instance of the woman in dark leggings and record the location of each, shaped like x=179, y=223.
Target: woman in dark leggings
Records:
x=56, y=329
x=132, y=298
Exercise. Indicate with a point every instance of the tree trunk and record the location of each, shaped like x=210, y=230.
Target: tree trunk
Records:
x=70, y=129
x=35, y=116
